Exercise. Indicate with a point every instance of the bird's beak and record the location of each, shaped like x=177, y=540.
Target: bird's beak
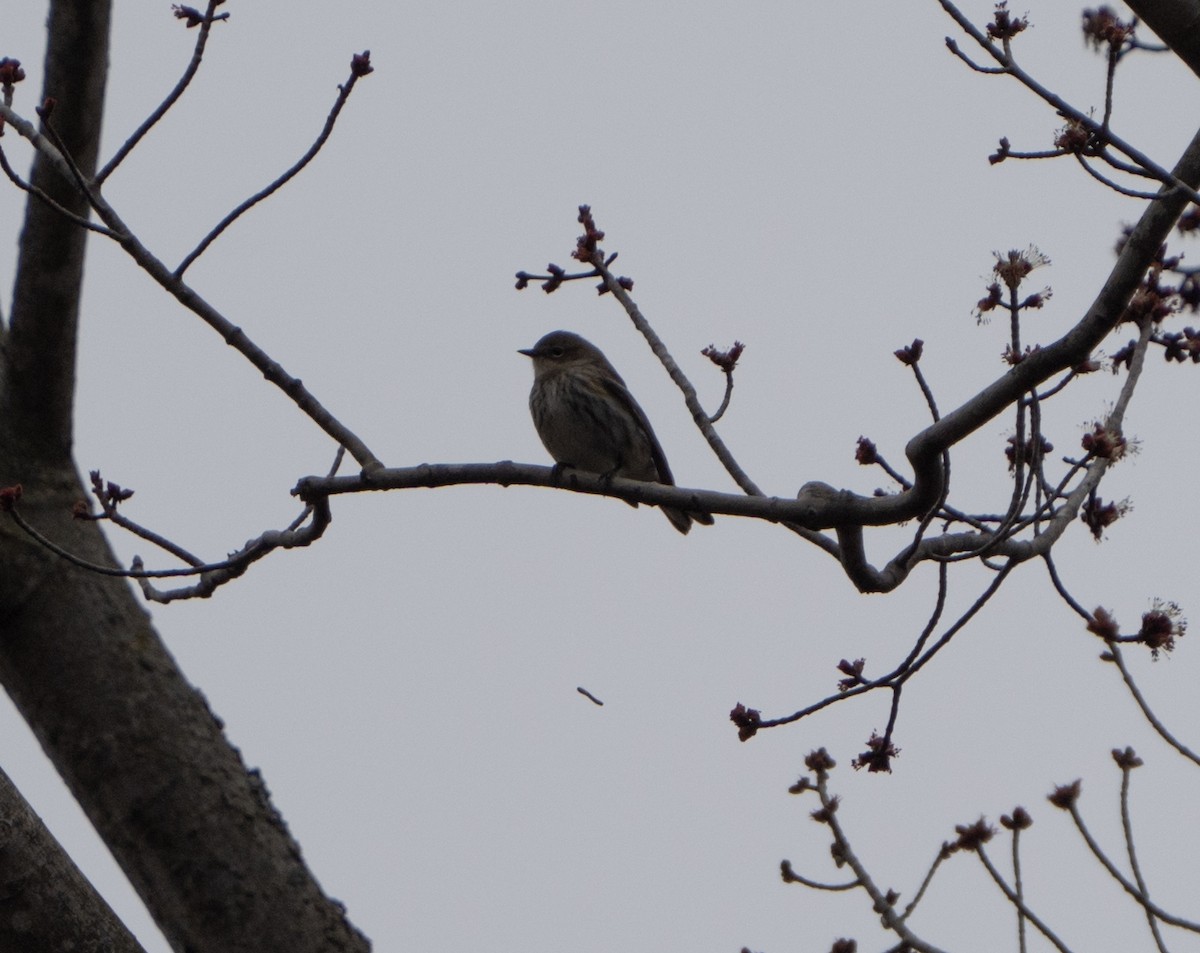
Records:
x=528, y=351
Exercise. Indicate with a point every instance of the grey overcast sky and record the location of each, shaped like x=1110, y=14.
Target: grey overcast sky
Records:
x=809, y=178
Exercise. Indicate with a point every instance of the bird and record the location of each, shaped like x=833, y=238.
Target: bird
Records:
x=587, y=419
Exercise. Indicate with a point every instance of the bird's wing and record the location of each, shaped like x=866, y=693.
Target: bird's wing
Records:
x=616, y=387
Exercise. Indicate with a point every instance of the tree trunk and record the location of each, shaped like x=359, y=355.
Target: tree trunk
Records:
x=193, y=829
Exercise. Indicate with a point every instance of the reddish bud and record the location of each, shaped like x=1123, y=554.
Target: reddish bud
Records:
x=1104, y=443
x=1103, y=624
x=1004, y=25
x=819, y=761
x=1123, y=356
x=1161, y=626
x=973, y=836
x=1189, y=221
x=878, y=756
x=990, y=303
x=193, y=16
x=10, y=71
x=1033, y=449
x=556, y=278
x=9, y=495
x=1065, y=795
x=747, y=721
x=726, y=360
x=822, y=814
x=854, y=670
x=1102, y=28
x=1073, y=137
x=1098, y=515
x=1126, y=760
x=804, y=784
x=912, y=354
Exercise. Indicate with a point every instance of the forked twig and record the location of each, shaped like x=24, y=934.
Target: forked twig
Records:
x=360, y=66
x=193, y=65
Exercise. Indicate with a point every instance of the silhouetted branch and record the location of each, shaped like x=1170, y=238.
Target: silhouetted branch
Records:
x=42, y=197
x=233, y=335
x=1072, y=807
x=360, y=66
x=1002, y=54
x=1127, y=761
x=1118, y=659
x=193, y=65
x=1041, y=926
x=882, y=902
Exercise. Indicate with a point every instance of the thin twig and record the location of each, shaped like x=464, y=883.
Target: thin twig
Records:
x=954, y=48
x=1127, y=827
x=790, y=876
x=41, y=196
x=942, y=854
x=1118, y=659
x=881, y=904
x=932, y=514
x=692, y=401
x=253, y=551
x=212, y=574
x=1120, y=878
x=1003, y=56
x=1109, y=183
x=1067, y=378
x=1019, y=889
x=233, y=335
x=1017, y=902
x=713, y=418
x=900, y=672
x=966, y=617
x=1070, y=600
x=681, y=381
x=82, y=563
x=194, y=64
x=1114, y=54
x=82, y=184
x=119, y=519
x=344, y=91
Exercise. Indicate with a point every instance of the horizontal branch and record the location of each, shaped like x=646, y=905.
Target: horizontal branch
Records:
x=816, y=507
x=808, y=510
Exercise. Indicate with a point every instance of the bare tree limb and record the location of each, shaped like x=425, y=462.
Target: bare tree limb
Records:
x=1177, y=23
x=49, y=906
x=184, y=81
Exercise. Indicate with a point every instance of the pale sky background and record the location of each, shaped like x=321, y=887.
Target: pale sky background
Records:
x=811, y=179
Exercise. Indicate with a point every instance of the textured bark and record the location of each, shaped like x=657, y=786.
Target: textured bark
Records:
x=1177, y=23
x=193, y=829
x=46, y=904
x=39, y=357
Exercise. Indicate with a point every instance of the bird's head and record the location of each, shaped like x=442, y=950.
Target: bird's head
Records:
x=561, y=349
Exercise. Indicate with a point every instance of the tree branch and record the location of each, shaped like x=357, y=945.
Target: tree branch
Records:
x=1177, y=23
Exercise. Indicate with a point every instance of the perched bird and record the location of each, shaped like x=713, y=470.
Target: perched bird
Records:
x=587, y=418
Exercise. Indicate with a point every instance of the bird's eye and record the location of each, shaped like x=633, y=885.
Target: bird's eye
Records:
x=556, y=352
